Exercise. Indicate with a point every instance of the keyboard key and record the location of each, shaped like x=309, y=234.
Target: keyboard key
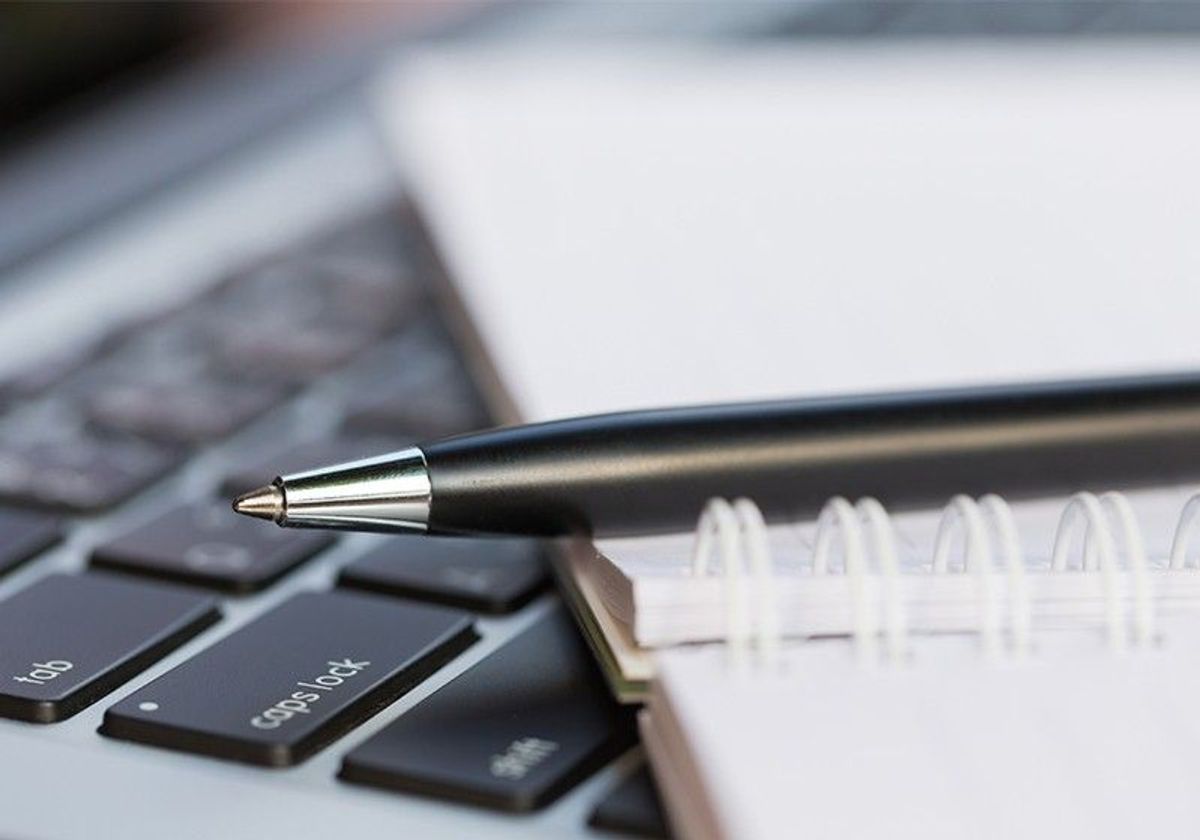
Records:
x=313, y=290
x=633, y=807
x=485, y=575
x=80, y=475
x=287, y=354
x=209, y=545
x=173, y=348
x=514, y=732
x=24, y=535
x=183, y=413
x=415, y=385
x=259, y=471
x=285, y=685
x=70, y=639
x=294, y=319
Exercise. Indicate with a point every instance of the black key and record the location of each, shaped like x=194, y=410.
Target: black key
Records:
x=486, y=575
x=80, y=475
x=23, y=535
x=209, y=545
x=293, y=342
x=341, y=290
x=294, y=319
x=416, y=386
x=214, y=343
x=70, y=639
x=260, y=471
x=184, y=412
x=288, y=683
x=287, y=354
x=633, y=807
x=171, y=349
x=514, y=732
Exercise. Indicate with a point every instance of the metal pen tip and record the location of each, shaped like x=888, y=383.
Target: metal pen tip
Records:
x=263, y=503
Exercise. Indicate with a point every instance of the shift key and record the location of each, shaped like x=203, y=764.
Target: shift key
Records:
x=282, y=687
x=517, y=730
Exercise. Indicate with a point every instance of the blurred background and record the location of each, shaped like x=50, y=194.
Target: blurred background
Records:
x=82, y=84
x=107, y=101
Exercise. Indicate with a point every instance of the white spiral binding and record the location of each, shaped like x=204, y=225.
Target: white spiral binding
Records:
x=738, y=529
x=735, y=527
x=1184, y=532
x=839, y=517
x=883, y=541
x=975, y=517
x=1139, y=566
x=1099, y=549
x=1020, y=616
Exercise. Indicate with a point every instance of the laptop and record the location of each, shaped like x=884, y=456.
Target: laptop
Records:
x=174, y=671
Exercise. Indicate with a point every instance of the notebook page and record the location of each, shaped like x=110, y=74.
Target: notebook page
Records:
x=722, y=224
x=1076, y=743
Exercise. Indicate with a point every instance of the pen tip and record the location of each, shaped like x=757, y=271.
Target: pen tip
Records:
x=263, y=503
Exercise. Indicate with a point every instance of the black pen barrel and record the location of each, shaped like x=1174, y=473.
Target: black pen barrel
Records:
x=653, y=471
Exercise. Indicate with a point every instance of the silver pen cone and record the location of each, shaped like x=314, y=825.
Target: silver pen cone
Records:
x=388, y=492
x=263, y=503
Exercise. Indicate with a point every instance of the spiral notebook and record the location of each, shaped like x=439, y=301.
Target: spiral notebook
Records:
x=757, y=244
x=1076, y=743
x=1004, y=732
x=638, y=594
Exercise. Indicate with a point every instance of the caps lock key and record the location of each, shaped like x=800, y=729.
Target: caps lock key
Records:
x=289, y=682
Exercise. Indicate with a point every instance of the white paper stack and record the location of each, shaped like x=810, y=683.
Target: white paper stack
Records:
x=643, y=593
x=1074, y=743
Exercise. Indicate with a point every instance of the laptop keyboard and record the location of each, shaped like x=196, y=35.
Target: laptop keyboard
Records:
x=341, y=335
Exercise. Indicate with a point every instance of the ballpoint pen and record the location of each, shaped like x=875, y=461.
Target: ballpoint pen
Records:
x=647, y=471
